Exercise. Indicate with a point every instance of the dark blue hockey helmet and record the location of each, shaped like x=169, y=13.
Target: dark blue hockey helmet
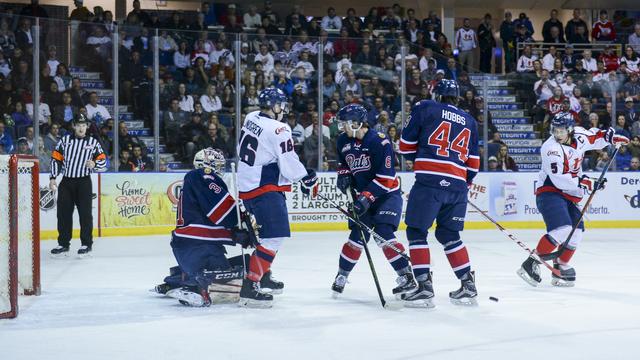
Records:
x=562, y=125
x=447, y=87
x=270, y=97
x=351, y=117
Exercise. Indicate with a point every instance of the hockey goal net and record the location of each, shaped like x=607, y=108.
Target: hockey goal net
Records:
x=19, y=231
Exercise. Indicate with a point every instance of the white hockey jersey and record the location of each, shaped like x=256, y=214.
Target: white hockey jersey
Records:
x=268, y=161
x=562, y=164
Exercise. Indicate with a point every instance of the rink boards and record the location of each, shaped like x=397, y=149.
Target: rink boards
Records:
x=145, y=203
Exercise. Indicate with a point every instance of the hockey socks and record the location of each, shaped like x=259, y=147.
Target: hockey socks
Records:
x=349, y=257
x=399, y=263
x=420, y=258
x=546, y=245
x=458, y=258
x=260, y=263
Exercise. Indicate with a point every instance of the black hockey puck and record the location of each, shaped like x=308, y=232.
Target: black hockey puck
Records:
x=493, y=298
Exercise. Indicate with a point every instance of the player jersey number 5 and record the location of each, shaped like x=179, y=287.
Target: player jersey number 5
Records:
x=440, y=138
x=249, y=147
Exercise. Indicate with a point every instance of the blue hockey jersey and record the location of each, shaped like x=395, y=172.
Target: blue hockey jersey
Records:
x=443, y=141
x=206, y=211
x=370, y=161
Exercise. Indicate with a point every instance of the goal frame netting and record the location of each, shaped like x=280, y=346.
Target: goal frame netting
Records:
x=20, y=231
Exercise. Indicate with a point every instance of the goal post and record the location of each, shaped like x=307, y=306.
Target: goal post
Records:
x=19, y=231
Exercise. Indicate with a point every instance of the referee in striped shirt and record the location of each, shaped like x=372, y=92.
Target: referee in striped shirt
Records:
x=75, y=157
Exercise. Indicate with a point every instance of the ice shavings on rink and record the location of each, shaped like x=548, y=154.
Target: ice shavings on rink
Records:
x=100, y=308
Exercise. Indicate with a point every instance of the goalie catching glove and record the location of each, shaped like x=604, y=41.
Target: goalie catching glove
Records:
x=591, y=184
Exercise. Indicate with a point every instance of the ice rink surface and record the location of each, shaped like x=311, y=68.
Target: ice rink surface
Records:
x=100, y=308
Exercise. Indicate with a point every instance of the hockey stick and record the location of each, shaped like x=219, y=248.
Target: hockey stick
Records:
x=236, y=195
x=351, y=194
x=510, y=236
x=556, y=254
x=382, y=242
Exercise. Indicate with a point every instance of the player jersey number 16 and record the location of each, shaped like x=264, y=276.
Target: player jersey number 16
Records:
x=440, y=139
x=249, y=146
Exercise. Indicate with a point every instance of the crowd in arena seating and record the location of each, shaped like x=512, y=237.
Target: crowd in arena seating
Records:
x=361, y=64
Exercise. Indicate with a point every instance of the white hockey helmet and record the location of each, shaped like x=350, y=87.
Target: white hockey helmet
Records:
x=210, y=158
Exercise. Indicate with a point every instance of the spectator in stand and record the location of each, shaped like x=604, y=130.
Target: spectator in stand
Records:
x=606, y=117
x=24, y=40
x=382, y=122
x=434, y=20
x=250, y=100
x=268, y=13
x=252, y=18
x=311, y=148
x=210, y=100
x=185, y=101
x=629, y=111
x=173, y=119
x=525, y=62
x=581, y=36
x=571, y=29
x=553, y=21
x=621, y=127
x=543, y=88
x=508, y=36
x=331, y=21
x=297, y=131
x=305, y=64
x=52, y=138
x=466, y=41
x=269, y=27
x=96, y=112
x=505, y=161
x=634, y=164
x=352, y=84
x=412, y=31
x=523, y=20
x=549, y=58
x=569, y=59
x=486, y=42
x=584, y=113
x=452, y=71
x=62, y=78
x=591, y=89
x=127, y=141
x=140, y=160
x=634, y=39
x=415, y=84
x=366, y=56
x=603, y=29
x=65, y=112
x=634, y=146
x=623, y=159
x=265, y=58
x=20, y=119
x=190, y=133
x=632, y=88
x=493, y=164
x=590, y=64
x=126, y=165
x=6, y=140
x=609, y=58
x=345, y=45
x=632, y=60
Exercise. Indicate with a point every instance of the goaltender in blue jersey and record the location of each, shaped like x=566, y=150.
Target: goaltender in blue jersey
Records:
x=206, y=220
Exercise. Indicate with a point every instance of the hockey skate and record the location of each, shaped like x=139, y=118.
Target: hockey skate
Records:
x=161, y=289
x=467, y=293
x=190, y=296
x=252, y=297
x=338, y=285
x=406, y=284
x=84, y=252
x=274, y=286
x=567, y=276
x=422, y=297
x=59, y=252
x=530, y=271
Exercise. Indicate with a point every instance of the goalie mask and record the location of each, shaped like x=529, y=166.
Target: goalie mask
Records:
x=562, y=127
x=351, y=118
x=210, y=158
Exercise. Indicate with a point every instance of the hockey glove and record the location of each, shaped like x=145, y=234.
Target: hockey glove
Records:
x=615, y=140
x=363, y=203
x=310, y=184
x=242, y=237
x=344, y=180
x=591, y=184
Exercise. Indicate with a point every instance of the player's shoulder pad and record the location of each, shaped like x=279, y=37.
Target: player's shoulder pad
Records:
x=551, y=148
x=383, y=139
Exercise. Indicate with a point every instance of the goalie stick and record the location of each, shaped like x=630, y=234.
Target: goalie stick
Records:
x=510, y=236
x=556, y=254
x=236, y=195
x=382, y=242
